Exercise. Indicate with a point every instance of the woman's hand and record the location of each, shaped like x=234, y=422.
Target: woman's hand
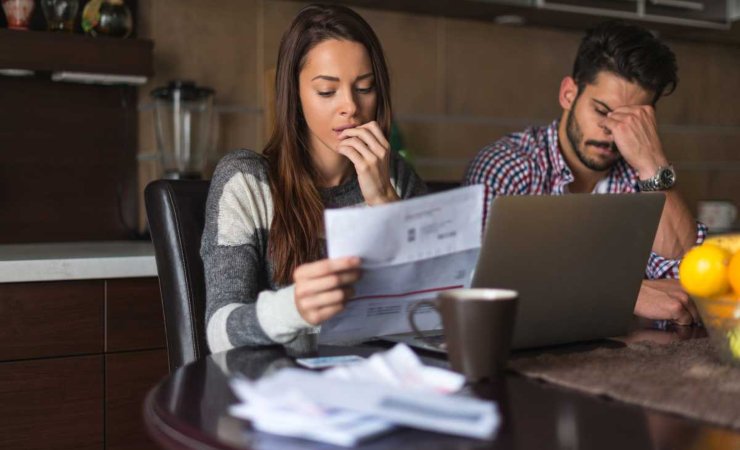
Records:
x=369, y=151
x=323, y=287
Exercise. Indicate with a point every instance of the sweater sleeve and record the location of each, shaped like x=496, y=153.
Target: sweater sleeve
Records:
x=405, y=180
x=241, y=309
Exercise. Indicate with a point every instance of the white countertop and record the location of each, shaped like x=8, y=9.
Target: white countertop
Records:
x=76, y=261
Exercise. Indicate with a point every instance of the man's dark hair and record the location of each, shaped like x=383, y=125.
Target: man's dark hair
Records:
x=630, y=52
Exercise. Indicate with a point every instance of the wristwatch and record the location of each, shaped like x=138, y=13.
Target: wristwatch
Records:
x=663, y=179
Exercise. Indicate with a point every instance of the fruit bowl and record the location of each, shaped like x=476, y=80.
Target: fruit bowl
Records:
x=721, y=317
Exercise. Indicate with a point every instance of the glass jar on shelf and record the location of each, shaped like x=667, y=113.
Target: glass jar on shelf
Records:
x=107, y=18
x=60, y=14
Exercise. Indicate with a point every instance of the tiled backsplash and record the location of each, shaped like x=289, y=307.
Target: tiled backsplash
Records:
x=457, y=85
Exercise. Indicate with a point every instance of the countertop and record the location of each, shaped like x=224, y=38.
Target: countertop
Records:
x=76, y=261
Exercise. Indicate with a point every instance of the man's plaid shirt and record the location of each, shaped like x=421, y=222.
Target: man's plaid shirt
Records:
x=530, y=163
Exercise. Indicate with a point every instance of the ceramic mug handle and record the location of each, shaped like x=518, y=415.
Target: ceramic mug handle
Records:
x=412, y=321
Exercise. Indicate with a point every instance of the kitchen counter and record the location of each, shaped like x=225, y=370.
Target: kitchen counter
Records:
x=76, y=261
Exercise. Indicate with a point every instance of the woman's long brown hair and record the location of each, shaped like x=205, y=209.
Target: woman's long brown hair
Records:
x=298, y=208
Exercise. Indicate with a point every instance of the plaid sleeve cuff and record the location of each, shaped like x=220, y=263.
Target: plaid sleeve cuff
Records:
x=701, y=232
x=660, y=267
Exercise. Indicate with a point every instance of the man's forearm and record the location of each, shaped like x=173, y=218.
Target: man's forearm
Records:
x=677, y=230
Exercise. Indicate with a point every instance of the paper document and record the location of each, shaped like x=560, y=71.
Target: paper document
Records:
x=399, y=367
x=411, y=250
x=425, y=410
x=351, y=404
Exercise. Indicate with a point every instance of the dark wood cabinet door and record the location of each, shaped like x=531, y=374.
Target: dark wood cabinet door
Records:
x=69, y=153
x=134, y=318
x=52, y=403
x=51, y=319
x=129, y=376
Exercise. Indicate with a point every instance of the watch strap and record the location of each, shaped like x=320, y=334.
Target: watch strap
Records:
x=656, y=182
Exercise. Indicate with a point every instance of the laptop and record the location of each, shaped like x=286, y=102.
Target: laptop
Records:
x=577, y=261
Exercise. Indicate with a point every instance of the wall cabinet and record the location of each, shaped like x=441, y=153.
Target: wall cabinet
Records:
x=695, y=20
x=710, y=14
x=76, y=360
x=69, y=149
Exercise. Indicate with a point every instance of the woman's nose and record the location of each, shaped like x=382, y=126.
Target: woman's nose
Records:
x=349, y=105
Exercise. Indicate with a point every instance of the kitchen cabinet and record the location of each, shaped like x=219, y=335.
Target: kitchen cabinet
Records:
x=76, y=359
x=68, y=163
x=55, y=402
x=709, y=14
x=695, y=20
x=710, y=11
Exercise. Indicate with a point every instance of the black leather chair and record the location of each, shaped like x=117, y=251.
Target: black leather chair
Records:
x=176, y=213
x=439, y=186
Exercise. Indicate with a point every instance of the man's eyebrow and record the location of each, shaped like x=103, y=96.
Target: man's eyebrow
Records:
x=336, y=79
x=604, y=105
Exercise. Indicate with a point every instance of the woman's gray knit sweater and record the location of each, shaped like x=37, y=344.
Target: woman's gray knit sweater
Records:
x=243, y=304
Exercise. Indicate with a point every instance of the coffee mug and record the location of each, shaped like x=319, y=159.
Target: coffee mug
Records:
x=478, y=327
x=717, y=215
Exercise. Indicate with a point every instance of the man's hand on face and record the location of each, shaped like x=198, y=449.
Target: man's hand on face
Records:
x=635, y=133
x=666, y=300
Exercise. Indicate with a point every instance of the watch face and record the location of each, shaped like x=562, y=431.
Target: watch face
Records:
x=667, y=177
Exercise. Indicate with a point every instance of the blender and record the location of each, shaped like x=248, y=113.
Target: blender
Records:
x=183, y=122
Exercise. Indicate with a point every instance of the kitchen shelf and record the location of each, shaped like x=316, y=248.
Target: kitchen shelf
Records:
x=42, y=51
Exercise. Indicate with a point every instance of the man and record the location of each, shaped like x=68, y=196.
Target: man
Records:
x=606, y=141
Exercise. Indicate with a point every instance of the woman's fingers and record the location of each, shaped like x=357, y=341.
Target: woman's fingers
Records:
x=374, y=128
x=328, y=282
x=328, y=298
x=357, y=158
x=368, y=150
x=368, y=156
x=324, y=267
x=367, y=140
x=322, y=287
x=328, y=312
x=318, y=308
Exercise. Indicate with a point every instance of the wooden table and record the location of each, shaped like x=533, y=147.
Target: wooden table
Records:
x=188, y=409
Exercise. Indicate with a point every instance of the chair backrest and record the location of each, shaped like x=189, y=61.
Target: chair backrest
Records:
x=176, y=213
x=439, y=186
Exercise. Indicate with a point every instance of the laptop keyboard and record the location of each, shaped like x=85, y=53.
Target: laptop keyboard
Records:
x=436, y=340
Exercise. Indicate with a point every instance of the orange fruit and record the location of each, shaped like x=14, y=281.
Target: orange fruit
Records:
x=703, y=271
x=720, y=307
x=733, y=274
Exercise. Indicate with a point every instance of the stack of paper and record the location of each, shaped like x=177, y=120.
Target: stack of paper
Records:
x=401, y=368
x=350, y=404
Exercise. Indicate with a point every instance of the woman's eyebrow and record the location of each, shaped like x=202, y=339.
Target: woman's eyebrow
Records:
x=336, y=79
x=325, y=77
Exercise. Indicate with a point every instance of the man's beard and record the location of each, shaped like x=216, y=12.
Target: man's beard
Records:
x=575, y=136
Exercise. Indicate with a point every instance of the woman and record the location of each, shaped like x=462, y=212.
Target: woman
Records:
x=267, y=277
